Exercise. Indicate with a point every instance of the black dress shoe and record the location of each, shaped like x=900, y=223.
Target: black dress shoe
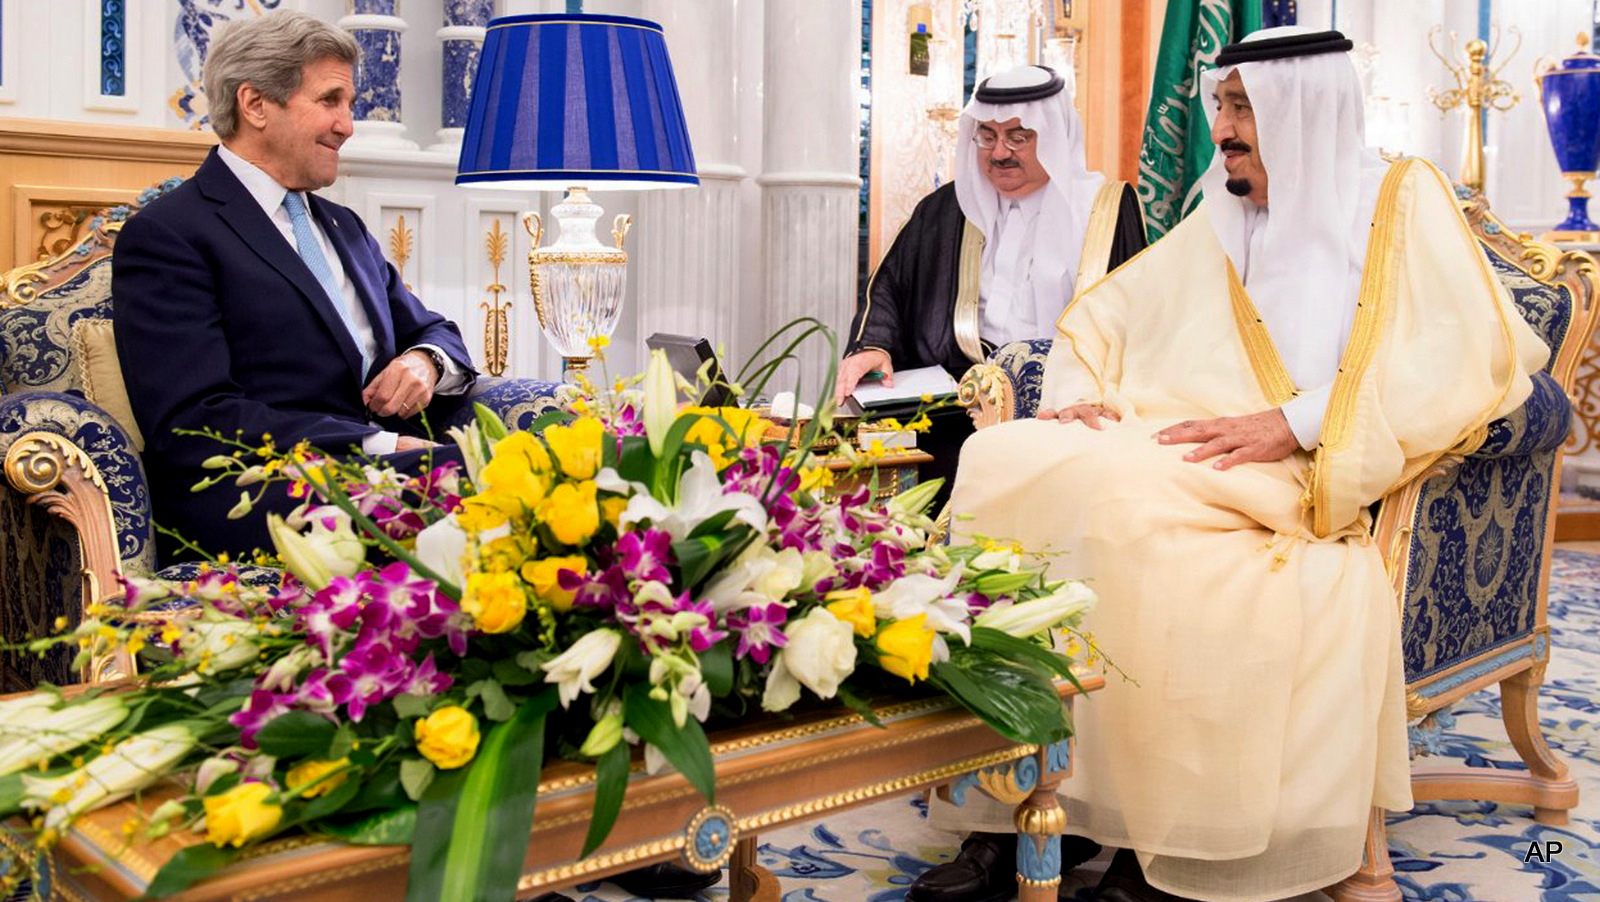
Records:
x=665, y=881
x=553, y=897
x=985, y=870
x=1124, y=882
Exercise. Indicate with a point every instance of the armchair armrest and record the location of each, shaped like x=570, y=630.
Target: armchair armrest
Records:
x=1540, y=424
x=518, y=401
x=1008, y=386
x=69, y=459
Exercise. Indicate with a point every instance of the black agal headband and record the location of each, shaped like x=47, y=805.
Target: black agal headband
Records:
x=1050, y=85
x=1284, y=48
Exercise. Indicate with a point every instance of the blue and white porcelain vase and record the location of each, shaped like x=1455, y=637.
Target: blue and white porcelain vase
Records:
x=1570, y=94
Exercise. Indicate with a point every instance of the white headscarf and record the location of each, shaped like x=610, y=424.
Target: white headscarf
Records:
x=1069, y=195
x=1302, y=268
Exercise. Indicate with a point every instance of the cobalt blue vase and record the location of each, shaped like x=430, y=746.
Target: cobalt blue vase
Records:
x=1570, y=95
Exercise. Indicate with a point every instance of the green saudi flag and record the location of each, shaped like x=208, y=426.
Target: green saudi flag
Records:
x=1177, y=143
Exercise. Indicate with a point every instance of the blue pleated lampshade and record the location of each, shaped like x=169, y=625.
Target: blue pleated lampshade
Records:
x=575, y=99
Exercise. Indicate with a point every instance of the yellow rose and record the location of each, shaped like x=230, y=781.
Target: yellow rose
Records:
x=448, y=737
x=486, y=511
x=854, y=606
x=507, y=552
x=495, y=600
x=544, y=577
x=518, y=470
x=748, y=429
x=241, y=814
x=571, y=512
x=577, y=446
x=905, y=648
x=311, y=774
x=611, y=510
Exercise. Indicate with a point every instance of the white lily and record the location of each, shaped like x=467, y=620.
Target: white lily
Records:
x=1027, y=618
x=220, y=642
x=759, y=576
x=325, y=553
x=211, y=770
x=782, y=689
x=660, y=399
x=441, y=548
x=700, y=497
x=588, y=657
x=135, y=763
x=920, y=593
x=47, y=734
x=469, y=439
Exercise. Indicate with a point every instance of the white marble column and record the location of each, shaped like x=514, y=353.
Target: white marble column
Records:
x=376, y=25
x=809, y=177
x=687, y=245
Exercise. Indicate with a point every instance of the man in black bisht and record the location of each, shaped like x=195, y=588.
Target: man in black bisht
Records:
x=996, y=255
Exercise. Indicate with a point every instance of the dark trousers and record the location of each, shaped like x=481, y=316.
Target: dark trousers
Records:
x=202, y=517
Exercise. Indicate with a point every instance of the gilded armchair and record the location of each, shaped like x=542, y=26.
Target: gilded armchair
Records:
x=1467, y=544
x=74, y=508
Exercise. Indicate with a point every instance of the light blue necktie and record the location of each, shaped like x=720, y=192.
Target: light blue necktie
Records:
x=305, y=241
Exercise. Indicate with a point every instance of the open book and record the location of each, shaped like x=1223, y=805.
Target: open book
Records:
x=909, y=386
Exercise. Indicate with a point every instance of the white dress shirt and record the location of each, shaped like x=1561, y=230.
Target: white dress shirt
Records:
x=269, y=194
x=1005, y=284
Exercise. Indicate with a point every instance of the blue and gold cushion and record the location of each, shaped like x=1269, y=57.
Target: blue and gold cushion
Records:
x=1023, y=362
x=519, y=402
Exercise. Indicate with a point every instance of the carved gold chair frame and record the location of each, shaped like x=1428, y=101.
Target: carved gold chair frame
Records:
x=51, y=471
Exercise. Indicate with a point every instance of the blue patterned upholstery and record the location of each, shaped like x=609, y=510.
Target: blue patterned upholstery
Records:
x=1023, y=362
x=1477, y=549
x=36, y=337
x=518, y=401
x=93, y=430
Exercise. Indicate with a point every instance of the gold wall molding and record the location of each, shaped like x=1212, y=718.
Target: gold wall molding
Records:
x=49, y=166
x=401, y=242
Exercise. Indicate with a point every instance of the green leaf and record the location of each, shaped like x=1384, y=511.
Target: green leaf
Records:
x=611, y=783
x=716, y=668
x=699, y=557
x=686, y=747
x=344, y=739
x=492, y=797
x=859, y=705
x=330, y=804
x=390, y=827
x=188, y=867
x=712, y=524
x=673, y=443
x=1016, y=701
x=416, y=775
x=297, y=734
x=635, y=463
x=380, y=789
x=1023, y=651
x=496, y=706
x=509, y=672
x=550, y=418
x=412, y=705
x=11, y=790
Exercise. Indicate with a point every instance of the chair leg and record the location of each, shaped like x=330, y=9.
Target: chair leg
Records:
x=1519, y=708
x=1374, y=881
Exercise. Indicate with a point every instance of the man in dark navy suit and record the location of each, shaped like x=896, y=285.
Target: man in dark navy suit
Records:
x=246, y=304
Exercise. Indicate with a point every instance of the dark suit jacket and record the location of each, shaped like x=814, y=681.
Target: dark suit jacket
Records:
x=220, y=324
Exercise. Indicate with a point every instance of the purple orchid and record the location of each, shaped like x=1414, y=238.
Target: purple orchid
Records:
x=331, y=613
x=758, y=629
x=645, y=554
x=262, y=707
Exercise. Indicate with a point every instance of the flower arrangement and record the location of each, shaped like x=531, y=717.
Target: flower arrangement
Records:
x=609, y=581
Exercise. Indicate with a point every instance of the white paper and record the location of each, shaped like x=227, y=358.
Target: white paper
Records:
x=908, y=385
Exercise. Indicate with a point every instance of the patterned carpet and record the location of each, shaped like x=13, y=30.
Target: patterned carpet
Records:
x=1442, y=851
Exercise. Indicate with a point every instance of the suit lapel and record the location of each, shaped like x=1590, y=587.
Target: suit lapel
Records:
x=247, y=220
x=368, y=289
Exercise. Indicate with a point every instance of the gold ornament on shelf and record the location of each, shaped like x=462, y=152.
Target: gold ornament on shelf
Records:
x=1478, y=88
x=496, y=312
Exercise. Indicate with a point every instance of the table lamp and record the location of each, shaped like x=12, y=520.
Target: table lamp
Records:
x=575, y=102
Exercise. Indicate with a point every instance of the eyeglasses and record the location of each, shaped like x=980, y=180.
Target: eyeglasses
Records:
x=1014, y=141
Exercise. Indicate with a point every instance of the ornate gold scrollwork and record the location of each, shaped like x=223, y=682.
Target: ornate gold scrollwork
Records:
x=57, y=474
x=496, y=312
x=987, y=394
x=401, y=238
x=1001, y=783
x=22, y=284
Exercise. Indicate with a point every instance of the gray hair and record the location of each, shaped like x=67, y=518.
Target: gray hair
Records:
x=269, y=53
